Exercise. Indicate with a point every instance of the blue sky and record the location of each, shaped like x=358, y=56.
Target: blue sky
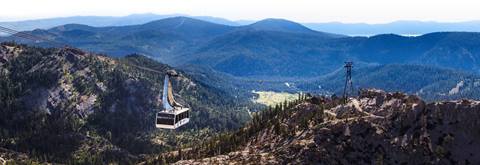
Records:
x=348, y=11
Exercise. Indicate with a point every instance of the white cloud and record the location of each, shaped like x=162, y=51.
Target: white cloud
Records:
x=371, y=11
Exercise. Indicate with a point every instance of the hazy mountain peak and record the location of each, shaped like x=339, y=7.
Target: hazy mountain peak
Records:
x=283, y=25
x=67, y=27
x=182, y=20
x=172, y=19
x=388, y=35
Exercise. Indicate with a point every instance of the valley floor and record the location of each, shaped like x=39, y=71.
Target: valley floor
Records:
x=270, y=98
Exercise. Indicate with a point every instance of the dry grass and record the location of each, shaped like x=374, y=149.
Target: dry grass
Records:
x=272, y=98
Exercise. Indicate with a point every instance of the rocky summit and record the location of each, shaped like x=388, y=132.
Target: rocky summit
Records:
x=374, y=128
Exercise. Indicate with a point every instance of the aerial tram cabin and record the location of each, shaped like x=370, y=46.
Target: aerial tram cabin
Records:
x=173, y=115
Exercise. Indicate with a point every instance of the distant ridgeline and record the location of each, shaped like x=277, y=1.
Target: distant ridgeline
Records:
x=271, y=47
x=70, y=106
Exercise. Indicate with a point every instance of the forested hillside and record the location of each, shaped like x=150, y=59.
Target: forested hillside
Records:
x=430, y=83
x=70, y=106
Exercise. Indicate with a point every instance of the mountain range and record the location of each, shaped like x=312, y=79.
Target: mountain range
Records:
x=277, y=51
x=405, y=27
x=100, y=21
x=268, y=47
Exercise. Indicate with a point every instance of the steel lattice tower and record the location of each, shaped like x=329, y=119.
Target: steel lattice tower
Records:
x=348, y=89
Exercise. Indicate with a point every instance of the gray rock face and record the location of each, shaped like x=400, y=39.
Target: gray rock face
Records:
x=411, y=131
x=375, y=128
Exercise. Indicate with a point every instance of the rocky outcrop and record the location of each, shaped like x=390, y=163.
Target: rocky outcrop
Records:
x=374, y=128
x=408, y=131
